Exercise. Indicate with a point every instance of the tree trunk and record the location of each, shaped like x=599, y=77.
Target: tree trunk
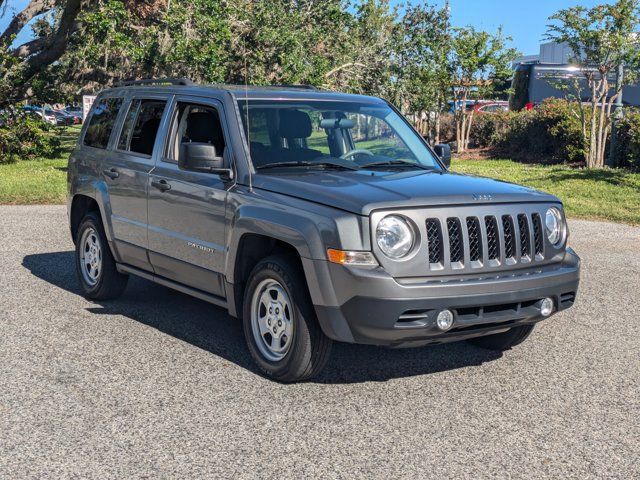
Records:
x=467, y=133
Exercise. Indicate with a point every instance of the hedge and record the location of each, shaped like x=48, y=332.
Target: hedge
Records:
x=628, y=140
x=551, y=133
x=25, y=137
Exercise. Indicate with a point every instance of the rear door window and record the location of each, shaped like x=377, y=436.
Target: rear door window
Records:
x=102, y=122
x=141, y=126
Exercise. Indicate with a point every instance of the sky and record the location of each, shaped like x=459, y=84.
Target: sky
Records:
x=523, y=20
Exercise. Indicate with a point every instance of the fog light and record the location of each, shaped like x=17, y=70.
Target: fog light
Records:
x=444, y=320
x=546, y=307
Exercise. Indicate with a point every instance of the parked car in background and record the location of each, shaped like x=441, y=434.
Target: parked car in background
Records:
x=74, y=109
x=535, y=82
x=480, y=106
x=458, y=105
x=77, y=118
x=43, y=113
x=75, y=112
x=492, y=107
x=63, y=119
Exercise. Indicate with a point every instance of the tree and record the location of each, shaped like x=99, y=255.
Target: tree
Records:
x=19, y=65
x=86, y=45
x=477, y=58
x=365, y=60
x=121, y=40
x=601, y=39
x=286, y=41
x=421, y=69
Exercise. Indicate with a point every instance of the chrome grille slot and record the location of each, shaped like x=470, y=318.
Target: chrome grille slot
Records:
x=525, y=242
x=475, y=239
x=493, y=241
x=509, y=237
x=434, y=241
x=456, y=248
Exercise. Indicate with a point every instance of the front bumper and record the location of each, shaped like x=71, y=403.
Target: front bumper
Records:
x=369, y=306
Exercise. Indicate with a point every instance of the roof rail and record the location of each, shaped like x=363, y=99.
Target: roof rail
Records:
x=156, y=81
x=293, y=85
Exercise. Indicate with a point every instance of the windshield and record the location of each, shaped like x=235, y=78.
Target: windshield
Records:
x=326, y=134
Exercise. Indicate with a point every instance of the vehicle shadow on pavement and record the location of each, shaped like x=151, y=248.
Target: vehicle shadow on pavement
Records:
x=210, y=328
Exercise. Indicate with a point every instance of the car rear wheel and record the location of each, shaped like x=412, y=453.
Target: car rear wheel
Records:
x=505, y=340
x=280, y=325
x=95, y=266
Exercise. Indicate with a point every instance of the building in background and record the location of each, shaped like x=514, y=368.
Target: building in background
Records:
x=550, y=53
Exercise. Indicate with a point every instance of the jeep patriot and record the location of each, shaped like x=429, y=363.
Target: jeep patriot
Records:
x=313, y=217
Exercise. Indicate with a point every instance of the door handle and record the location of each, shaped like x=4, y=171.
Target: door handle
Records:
x=111, y=173
x=161, y=185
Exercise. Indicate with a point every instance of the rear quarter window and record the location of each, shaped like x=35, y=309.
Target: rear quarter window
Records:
x=101, y=123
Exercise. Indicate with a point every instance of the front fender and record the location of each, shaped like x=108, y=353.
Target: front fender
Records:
x=285, y=225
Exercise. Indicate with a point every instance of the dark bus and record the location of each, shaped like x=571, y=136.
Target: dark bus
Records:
x=534, y=82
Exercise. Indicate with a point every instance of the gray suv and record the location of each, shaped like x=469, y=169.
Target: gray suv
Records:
x=312, y=216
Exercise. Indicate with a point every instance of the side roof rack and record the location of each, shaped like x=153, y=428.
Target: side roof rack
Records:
x=157, y=81
x=293, y=85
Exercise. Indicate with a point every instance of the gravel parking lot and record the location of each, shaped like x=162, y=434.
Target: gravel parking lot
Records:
x=159, y=385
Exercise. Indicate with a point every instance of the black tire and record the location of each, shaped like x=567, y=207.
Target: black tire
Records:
x=310, y=348
x=110, y=283
x=505, y=340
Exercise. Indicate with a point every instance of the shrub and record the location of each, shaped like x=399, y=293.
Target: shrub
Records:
x=551, y=133
x=489, y=130
x=447, y=128
x=25, y=137
x=628, y=141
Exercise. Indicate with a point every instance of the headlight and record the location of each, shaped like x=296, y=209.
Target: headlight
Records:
x=554, y=226
x=394, y=236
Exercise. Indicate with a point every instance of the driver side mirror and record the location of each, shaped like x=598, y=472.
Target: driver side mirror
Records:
x=202, y=157
x=443, y=150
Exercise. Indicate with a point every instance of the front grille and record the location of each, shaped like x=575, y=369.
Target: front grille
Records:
x=456, y=247
x=487, y=240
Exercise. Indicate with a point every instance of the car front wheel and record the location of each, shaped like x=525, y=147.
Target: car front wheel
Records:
x=95, y=266
x=280, y=325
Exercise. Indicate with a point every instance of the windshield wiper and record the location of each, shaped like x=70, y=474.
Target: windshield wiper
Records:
x=314, y=163
x=396, y=163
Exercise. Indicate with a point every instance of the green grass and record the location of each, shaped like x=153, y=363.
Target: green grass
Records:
x=38, y=181
x=599, y=194
x=380, y=146
x=596, y=194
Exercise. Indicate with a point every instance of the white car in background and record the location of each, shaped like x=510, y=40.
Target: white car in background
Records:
x=46, y=116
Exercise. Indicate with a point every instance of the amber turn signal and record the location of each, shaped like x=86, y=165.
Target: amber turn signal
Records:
x=345, y=257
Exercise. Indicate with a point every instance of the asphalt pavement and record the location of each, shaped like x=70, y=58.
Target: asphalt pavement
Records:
x=160, y=385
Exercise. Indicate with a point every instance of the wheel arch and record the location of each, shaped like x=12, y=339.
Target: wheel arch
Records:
x=81, y=205
x=251, y=249
x=92, y=197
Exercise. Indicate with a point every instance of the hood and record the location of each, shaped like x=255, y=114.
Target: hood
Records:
x=363, y=191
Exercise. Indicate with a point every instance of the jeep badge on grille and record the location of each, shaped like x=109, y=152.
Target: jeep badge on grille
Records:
x=482, y=197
